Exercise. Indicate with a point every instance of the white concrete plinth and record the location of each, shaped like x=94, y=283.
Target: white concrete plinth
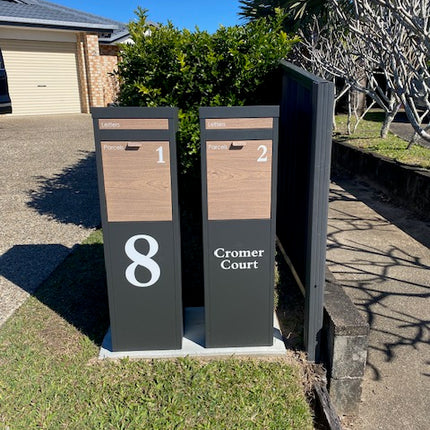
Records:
x=194, y=340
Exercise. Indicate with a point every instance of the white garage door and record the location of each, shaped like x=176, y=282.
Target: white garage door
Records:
x=42, y=76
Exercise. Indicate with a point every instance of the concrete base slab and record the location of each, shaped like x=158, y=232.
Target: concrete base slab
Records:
x=194, y=341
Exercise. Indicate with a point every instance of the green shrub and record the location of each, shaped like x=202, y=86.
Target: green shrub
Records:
x=170, y=67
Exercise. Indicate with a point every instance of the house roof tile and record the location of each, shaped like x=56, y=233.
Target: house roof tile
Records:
x=40, y=13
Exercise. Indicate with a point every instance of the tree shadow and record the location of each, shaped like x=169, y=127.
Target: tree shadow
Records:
x=383, y=278
x=343, y=138
x=29, y=265
x=406, y=220
x=375, y=116
x=75, y=290
x=401, y=117
x=71, y=196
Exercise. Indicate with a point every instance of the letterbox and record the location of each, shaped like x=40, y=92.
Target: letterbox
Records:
x=239, y=157
x=136, y=164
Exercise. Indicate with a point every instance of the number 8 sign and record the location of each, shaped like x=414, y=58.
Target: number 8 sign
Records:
x=139, y=259
x=136, y=166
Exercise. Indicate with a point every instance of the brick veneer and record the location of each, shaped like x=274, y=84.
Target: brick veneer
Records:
x=82, y=72
x=109, y=61
x=96, y=63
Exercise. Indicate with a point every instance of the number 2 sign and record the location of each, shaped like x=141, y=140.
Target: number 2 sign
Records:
x=263, y=156
x=239, y=159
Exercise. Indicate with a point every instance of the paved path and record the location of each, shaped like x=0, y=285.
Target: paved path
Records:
x=402, y=128
x=48, y=198
x=385, y=271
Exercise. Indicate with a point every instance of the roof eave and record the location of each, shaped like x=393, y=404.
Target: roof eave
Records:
x=64, y=25
x=115, y=38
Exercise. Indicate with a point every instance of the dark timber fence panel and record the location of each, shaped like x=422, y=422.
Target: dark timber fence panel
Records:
x=303, y=187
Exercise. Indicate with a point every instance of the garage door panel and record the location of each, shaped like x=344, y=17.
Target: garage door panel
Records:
x=43, y=76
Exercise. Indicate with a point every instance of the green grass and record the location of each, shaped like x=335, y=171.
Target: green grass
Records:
x=367, y=137
x=50, y=377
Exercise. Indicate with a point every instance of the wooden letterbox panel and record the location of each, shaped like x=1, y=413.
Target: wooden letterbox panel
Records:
x=238, y=123
x=134, y=124
x=239, y=179
x=137, y=180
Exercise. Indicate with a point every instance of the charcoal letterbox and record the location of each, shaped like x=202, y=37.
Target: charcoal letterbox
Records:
x=136, y=163
x=239, y=156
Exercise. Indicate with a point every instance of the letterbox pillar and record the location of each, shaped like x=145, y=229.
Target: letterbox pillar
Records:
x=239, y=157
x=136, y=164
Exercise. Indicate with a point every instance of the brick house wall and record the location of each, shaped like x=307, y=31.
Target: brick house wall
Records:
x=82, y=72
x=96, y=63
x=108, y=63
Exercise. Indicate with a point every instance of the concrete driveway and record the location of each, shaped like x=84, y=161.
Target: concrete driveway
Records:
x=48, y=198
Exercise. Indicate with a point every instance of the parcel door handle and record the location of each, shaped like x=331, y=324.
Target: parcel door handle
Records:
x=133, y=146
x=237, y=145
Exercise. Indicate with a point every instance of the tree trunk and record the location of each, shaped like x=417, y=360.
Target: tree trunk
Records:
x=389, y=118
x=359, y=97
x=348, y=121
x=418, y=128
x=413, y=141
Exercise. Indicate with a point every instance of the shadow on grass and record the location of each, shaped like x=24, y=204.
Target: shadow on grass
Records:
x=401, y=117
x=77, y=292
x=375, y=116
x=290, y=307
x=346, y=138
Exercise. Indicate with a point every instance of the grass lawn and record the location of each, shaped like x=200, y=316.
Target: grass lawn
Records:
x=50, y=377
x=367, y=137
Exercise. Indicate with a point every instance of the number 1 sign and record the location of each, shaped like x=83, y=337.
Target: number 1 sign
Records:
x=136, y=162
